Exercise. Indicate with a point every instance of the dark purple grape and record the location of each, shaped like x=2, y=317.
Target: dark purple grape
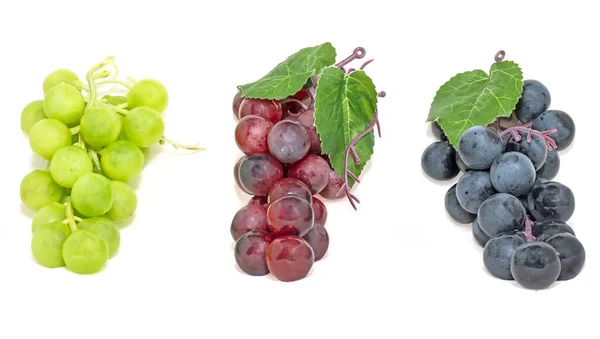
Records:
x=268, y=109
x=333, y=187
x=320, y=212
x=251, y=251
x=313, y=170
x=251, y=134
x=289, y=141
x=249, y=218
x=289, y=186
x=290, y=258
x=318, y=239
x=290, y=215
x=259, y=172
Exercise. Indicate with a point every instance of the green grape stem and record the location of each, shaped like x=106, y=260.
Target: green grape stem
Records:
x=75, y=130
x=71, y=217
x=179, y=146
x=119, y=109
x=95, y=160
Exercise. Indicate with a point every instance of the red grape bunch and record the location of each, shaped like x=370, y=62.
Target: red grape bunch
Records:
x=282, y=228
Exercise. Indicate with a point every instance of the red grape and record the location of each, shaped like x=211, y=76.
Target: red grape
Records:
x=318, y=239
x=307, y=119
x=289, y=186
x=313, y=171
x=250, y=252
x=260, y=201
x=290, y=215
x=259, y=172
x=320, y=212
x=236, y=174
x=237, y=101
x=251, y=134
x=333, y=186
x=268, y=109
x=289, y=141
x=290, y=258
x=249, y=218
x=301, y=95
x=291, y=110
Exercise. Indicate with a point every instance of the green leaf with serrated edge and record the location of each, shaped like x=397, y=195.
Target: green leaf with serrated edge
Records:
x=476, y=99
x=344, y=107
x=288, y=77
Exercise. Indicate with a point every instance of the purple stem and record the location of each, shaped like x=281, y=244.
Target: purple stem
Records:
x=302, y=105
x=528, y=230
x=350, y=151
x=366, y=63
x=499, y=56
x=358, y=53
x=311, y=93
x=526, y=128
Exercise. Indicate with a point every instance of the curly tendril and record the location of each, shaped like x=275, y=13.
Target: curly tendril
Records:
x=499, y=56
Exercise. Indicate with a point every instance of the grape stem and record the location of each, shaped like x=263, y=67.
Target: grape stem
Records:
x=75, y=130
x=526, y=128
x=119, y=109
x=95, y=160
x=528, y=229
x=178, y=146
x=71, y=217
x=351, y=151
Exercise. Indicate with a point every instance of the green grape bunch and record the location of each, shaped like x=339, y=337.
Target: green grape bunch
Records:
x=95, y=143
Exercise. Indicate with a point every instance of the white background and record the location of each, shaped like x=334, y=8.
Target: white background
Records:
x=397, y=268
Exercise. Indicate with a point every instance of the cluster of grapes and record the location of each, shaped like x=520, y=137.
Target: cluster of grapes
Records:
x=93, y=148
x=518, y=212
x=282, y=228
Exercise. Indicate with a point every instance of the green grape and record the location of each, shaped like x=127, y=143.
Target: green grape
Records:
x=149, y=93
x=85, y=252
x=106, y=229
x=38, y=190
x=122, y=160
x=115, y=100
x=100, y=126
x=65, y=103
x=122, y=134
x=59, y=76
x=48, y=136
x=91, y=195
x=31, y=114
x=47, y=244
x=125, y=202
x=52, y=212
x=144, y=126
x=69, y=164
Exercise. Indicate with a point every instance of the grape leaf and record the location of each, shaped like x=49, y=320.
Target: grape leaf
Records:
x=344, y=107
x=476, y=99
x=288, y=77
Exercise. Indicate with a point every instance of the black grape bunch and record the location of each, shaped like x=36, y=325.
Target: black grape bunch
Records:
x=506, y=189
